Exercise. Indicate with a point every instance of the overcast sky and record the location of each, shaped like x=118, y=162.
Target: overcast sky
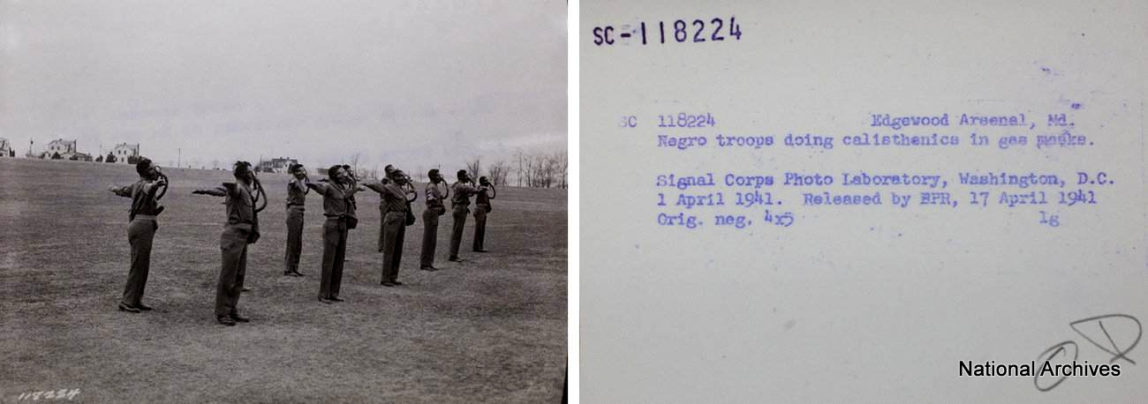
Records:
x=414, y=83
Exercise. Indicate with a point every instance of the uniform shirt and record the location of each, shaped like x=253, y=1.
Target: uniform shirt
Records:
x=462, y=192
x=296, y=193
x=394, y=198
x=433, y=195
x=240, y=202
x=143, y=197
x=336, y=198
x=483, y=197
x=351, y=204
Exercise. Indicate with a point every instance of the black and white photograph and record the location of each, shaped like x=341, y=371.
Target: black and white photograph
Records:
x=283, y=201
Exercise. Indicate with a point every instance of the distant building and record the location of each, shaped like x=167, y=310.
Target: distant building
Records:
x=277, y=165
x=6, y=149
x=65, y=148
x=124, y=152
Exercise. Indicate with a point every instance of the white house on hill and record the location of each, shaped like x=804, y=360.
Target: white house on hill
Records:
x=6, y=149
x=276, y=165
x=66, y=148
x=124, y=151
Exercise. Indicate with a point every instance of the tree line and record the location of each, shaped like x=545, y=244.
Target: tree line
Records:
x=534, y=170
x=525, y=169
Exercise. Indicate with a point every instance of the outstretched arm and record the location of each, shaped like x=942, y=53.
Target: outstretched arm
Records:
x=377, y=187
x=466, y=188
x=217, y=191
x=394, y=192
x=320, y=187
x=353, y=187
x=151, y=186
x=124, y=191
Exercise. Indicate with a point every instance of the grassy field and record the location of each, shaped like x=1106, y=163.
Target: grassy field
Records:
x=492, y=329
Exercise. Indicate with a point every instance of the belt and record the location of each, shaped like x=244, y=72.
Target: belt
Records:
x=146, y=217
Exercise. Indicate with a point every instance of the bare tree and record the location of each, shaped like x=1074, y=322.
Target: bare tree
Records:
x=473, y=167
x=520, y=170
x=525, y=169
x=498, y=172
x=534, y=169
x=354, y=163
x=538, y=171
x=357, y=164
x=532, y=172
x=561, y=164
x=549, y=168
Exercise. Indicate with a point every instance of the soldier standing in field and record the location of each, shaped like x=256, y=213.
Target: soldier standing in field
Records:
x=142, y=225
x=338, y=207
x=242, y=228
x=435, y=208
x=352, y=205
x=383, y=206
x=481, y=209
x=460, y=202
x=396, y=209
x=296, y=200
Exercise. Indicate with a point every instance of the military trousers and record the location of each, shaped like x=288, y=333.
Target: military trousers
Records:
x=430, y=235
x=334, y=253
x=141, y=232
x=394, y=227
x=294, y=238
x=479, y=227
x=459, y=214
x=233, y=244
